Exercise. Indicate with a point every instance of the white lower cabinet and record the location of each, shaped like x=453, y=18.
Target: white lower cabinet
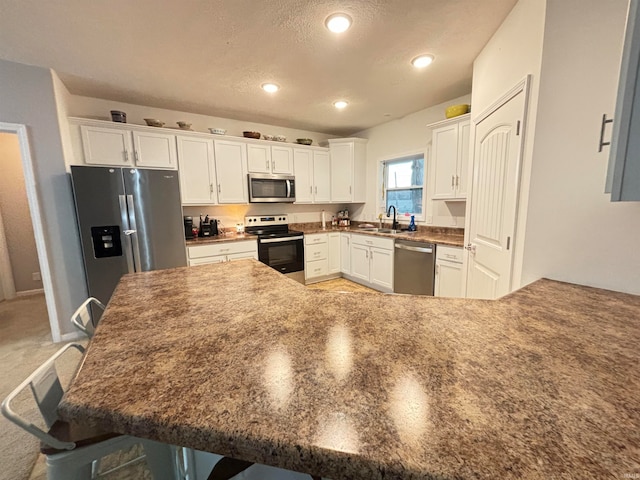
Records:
x=321, y=256
x=334, y=252
x=372, y=261
x=448, y=278
x=345, y=253
x=222, y=252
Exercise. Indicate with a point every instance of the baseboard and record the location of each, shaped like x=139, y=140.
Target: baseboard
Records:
x=26, y=293
x=323, y=278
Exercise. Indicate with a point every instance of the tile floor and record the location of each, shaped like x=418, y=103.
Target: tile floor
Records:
x=342, y=285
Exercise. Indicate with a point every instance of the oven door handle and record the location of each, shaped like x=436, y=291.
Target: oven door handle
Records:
x=280, y=240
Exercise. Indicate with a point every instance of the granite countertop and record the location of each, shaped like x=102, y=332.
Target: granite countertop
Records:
x=226, y=237
x=439, y=235
x=236, y=359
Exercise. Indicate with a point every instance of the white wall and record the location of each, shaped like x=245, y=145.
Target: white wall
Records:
x=574, y=233
x=99, y=109
x=27, y=97
x=514, y=52
x=397, y=138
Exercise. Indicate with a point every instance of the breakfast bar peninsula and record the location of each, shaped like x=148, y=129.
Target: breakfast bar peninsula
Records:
x=239, y=360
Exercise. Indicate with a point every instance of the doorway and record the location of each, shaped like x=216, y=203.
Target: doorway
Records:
x=24, y=266
x=498, y=145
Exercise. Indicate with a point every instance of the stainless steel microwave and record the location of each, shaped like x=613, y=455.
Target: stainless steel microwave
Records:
x=271, y=188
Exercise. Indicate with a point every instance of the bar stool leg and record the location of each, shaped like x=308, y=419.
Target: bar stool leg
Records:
x=68, y=470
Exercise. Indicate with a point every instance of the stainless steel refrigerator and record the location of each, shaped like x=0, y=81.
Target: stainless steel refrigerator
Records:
x=130, y=220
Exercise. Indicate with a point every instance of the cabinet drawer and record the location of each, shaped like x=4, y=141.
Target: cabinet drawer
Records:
x=205, y=260
x=315, y=238
x=319, y=251
x=224, y=248
x=449, y=254
x=316, y=269
x=372, y=241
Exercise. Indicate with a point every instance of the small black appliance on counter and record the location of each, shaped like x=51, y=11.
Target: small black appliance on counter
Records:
x=188, y=228
x=208, y=228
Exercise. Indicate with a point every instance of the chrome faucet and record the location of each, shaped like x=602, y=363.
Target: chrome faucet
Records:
x=394, y=225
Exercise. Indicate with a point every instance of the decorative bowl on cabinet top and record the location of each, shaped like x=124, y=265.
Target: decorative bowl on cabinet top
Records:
x=152, y=122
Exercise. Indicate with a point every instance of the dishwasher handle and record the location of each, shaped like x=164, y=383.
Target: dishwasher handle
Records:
x=414, y=249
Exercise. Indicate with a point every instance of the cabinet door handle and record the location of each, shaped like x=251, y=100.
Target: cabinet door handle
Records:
x=126, y=156
x=211, y=188
x=366, y=252
x=273, y=165
x=135, y=152
x=310, y=189
x=453, y=181
x=371, y=254
x=349, y=189
x=602, y=143
x=266, y=163
x=457, y=181
x=316, y=190
x=437, y=269
x=218, y=188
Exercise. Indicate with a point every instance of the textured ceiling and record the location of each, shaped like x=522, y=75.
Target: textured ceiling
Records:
x=210, y=57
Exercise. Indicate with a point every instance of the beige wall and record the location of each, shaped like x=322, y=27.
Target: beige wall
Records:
x=574, y=232
x=16, y=216
x=397, y=138
x=27, y=98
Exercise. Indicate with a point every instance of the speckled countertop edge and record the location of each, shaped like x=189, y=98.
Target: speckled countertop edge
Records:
x=540, y=384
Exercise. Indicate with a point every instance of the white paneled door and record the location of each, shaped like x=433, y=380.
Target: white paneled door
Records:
x=496, y=167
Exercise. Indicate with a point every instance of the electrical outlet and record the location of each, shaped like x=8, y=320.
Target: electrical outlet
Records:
x=36, y=276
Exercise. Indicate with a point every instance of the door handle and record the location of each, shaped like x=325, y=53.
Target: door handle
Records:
x=134, y=235
x=471, y=247
x=124, y=218
x=288, y=188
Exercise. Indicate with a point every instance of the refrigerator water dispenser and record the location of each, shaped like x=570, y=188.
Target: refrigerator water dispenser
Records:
x=106, y=241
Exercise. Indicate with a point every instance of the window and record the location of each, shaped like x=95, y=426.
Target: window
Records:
x=403, y=184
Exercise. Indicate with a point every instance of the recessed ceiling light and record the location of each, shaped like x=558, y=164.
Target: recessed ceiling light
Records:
x=270, y=87
x=422, y=61
x=338, y=22
x=340, y=104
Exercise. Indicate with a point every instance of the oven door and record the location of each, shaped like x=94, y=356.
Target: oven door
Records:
x=285, y=254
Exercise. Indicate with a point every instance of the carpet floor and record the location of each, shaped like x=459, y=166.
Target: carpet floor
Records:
x=25, y=343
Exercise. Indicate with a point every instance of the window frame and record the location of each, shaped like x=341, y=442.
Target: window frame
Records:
x=382, y=171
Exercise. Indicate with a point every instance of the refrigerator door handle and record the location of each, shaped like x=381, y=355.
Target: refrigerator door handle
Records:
x=128, y=253
x=134, y=233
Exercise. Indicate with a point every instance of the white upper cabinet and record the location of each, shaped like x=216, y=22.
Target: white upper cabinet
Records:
x=450, y=160
x=118, y=146
x=303, y=166
x=281, y=160
x=270, y=159
x=259, y=158
x=153, y=149
x=321, y=177
x=313, y=179
x=197, y=171
x=231, y=171
x=348, y=169
x=107, y=146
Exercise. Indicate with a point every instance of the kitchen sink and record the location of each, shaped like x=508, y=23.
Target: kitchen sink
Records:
x=379, y=230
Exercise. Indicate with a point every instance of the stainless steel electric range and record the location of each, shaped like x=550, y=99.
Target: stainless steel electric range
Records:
x=280, y=248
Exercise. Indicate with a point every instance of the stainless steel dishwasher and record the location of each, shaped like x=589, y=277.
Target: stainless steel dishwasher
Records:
x=414, y=267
